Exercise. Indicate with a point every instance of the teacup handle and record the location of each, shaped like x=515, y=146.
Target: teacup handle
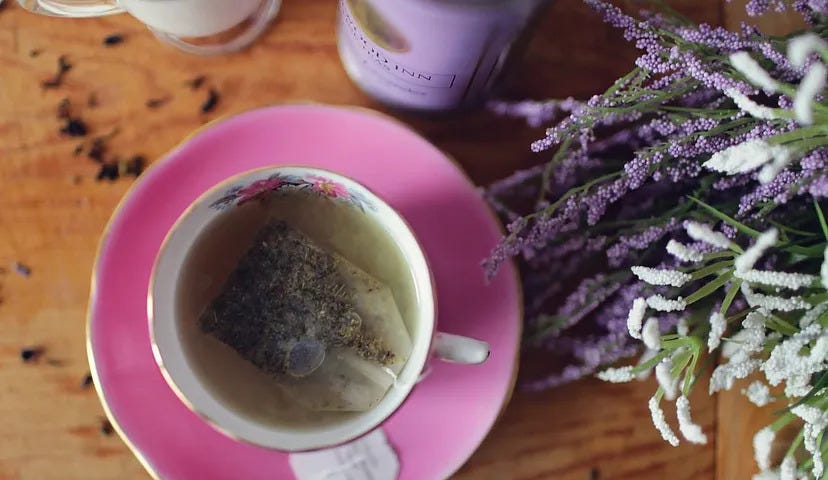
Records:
x=72, y=8
x=458, y=349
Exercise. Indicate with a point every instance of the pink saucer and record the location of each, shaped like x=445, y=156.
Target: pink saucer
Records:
x=447, y=415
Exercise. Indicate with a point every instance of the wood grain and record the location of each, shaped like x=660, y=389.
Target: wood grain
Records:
x=52, y=212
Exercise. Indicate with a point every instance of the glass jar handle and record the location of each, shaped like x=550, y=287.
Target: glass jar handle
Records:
x=72, y=8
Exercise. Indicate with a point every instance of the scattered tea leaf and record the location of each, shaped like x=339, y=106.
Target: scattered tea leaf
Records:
x=106, y=427
x=97, y=149
x=154, y=103
x=113, y=39
x=135, y=166
x=30, y=354
x=78, y=149
x=212, y=100
x=92, y=101
x=35, y=52
x=64, y=109
x=74, y=127
x=98, y=146
x=594, y=474
x=63, y=64
x=197, y=82
x=108, y=171
x=63, y=67
x=22, y=269
x=87, y=381
x=55, y=362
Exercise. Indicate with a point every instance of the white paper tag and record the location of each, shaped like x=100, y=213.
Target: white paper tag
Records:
x=368, y=458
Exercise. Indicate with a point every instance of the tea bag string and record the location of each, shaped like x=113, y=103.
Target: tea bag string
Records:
x=398, y=383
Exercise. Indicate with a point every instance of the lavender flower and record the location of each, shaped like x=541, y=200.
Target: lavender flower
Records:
x=650, y=207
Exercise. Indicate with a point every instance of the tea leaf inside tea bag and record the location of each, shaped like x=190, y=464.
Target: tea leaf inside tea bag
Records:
x=330, y=333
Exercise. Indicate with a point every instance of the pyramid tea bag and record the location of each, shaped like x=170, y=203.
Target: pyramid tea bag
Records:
x=330, y=333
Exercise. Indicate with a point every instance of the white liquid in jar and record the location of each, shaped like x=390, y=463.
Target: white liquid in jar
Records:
x=191, y=18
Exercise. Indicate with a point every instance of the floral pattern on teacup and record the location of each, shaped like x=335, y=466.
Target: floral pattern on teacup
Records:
x=321, y=185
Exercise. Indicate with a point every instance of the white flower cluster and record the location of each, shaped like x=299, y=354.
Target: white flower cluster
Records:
x=651, y=333
x=683, y=252
x=787, y=470
x=689, y=430
x=616, y=375
x=703, y=233
x=724, y=375
x=789, y=359
x=661, y=423
x=762, y=445
x=718, y=325
x=747, y=66
x=786, y=360
x=654, y=276
x=636, y=317
x=772, y=302
x=758, y=393
x=823, y=271
x=663, y=304
x=747, y=260
x=751, y=154
x=810, y=437
x=752, y=108
x=747, y=156
x=799, y=49
x=665, y=380
x=683, y=328
x=792, y=281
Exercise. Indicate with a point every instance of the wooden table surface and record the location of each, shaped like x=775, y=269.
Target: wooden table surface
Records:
x=52, y=211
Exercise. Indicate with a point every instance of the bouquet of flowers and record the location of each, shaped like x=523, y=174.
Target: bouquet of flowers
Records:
x=679, y=217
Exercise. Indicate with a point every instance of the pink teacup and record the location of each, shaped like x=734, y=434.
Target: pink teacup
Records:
x=176, y=365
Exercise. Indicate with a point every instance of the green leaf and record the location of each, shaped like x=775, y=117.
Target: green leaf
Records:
x=650, y=363
x=731, y=294
x=785, y=228
x=711, y=269
x=814, y=251
x=725, y=218
x=821, y=219
x=709, y=288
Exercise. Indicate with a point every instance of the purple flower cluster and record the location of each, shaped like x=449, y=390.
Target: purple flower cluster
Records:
x=626, y=163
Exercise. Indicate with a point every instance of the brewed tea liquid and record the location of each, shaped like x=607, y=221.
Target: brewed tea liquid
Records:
x=333, y=226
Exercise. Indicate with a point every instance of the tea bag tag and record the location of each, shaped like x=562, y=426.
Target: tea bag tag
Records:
x=368, y=458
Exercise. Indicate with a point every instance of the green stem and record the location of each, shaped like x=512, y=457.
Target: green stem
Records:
x=795, y=444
